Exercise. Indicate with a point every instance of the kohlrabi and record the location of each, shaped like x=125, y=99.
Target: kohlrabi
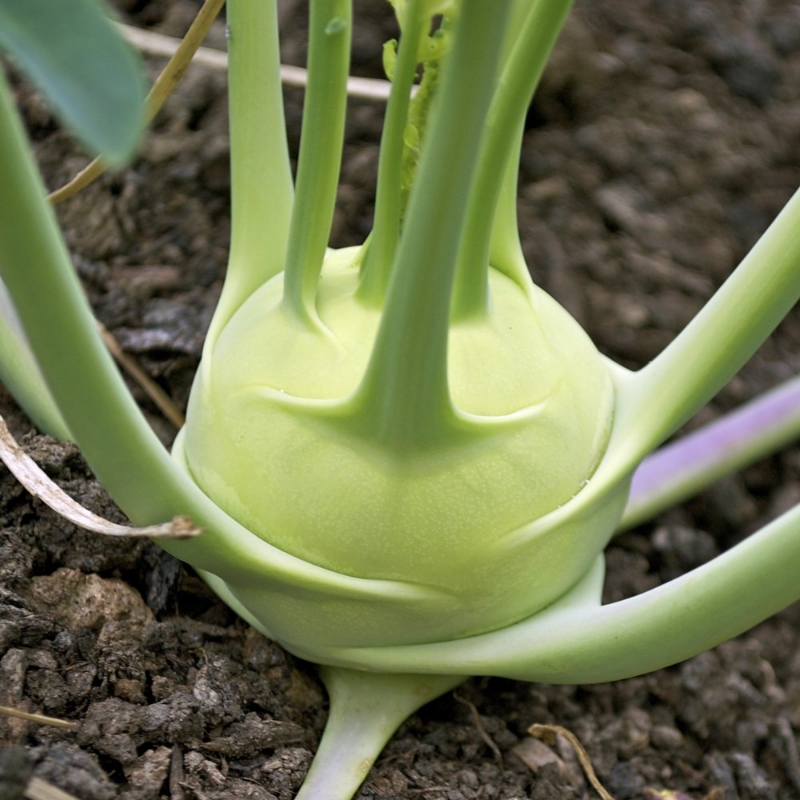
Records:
x=406, y=458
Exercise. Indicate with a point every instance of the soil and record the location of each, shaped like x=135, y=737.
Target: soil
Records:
x=663, y=140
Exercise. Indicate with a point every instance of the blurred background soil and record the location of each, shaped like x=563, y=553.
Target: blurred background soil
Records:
x=662, y=142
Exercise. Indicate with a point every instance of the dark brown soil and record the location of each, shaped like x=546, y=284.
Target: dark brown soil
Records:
x=663, y=141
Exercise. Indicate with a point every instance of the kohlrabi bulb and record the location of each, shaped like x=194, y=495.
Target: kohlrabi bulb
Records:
x=281, y=436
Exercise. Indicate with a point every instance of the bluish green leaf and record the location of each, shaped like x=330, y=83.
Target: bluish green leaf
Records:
x=91, y=78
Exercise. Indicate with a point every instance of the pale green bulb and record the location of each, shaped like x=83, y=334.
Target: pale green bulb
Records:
x=274, y=437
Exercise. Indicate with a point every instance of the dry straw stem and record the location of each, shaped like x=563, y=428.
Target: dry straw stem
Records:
x=39, y=719
x=37, y=789
x=156, y=44
x=162, y=88
x=476, y=721
x=161, y=399
x=180, y=53
x=26, y=471
x=548, y=733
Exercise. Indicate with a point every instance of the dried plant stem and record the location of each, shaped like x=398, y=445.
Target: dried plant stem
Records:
x=39, y=719
x=37, y=789
x=156, y=44
x=547, y=734
x=476, y=721
x=161, y=399
x=162, y=88
x=181, y=52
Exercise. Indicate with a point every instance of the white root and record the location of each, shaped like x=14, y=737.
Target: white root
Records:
x=33, y=478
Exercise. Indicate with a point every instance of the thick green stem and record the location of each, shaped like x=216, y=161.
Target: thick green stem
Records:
x=55, y=315
x=496, y=170
x=261, y=177
x=366, y=709
x=20, y=373
x=658, y=399
x=404, y=395
x=389, y=194
x=320, y=155
x=505, y=247
x=653, y=403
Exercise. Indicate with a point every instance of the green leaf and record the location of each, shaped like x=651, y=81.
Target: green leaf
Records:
x=92, y=79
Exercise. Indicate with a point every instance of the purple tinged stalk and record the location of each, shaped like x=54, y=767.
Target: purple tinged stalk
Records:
x=685, y=467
